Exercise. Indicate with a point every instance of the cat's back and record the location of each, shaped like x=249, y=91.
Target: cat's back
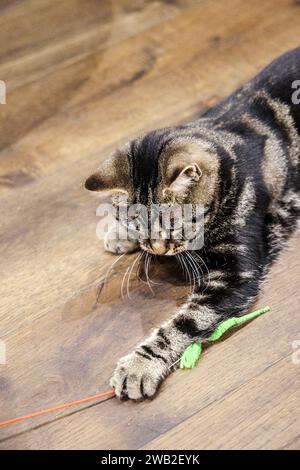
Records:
x=257, y=130
x=278, y=82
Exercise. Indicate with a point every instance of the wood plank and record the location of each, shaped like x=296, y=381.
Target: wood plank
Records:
x=261, y=414
x=84, y=107
x=47, y=60
x=41, y=36
x=74, y=355
x=63, y=335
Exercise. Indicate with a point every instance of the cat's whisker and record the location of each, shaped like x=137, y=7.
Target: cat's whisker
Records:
x=199, y=266
x=195, y=272
x=187, y=270
x=123, y=282
x=111, y=267
x=108, y=271
x=130, y=272
x=147, y=272
x=174, y=363
x=202, y=261
x=208, y=273
x=140, y=264
x=195, y=265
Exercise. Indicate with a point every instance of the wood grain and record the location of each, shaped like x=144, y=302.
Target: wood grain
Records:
x=81, y=78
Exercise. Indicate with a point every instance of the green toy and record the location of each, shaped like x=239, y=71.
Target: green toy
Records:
x=193, y=352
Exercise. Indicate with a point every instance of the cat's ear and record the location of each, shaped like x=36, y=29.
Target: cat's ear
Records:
x=184, y=179
x=112, y=175
x=189, y=165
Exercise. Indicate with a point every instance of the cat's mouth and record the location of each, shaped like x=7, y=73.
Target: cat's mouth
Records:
x=162, y=247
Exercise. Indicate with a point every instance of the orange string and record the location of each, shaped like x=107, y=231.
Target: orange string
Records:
x=58, y=407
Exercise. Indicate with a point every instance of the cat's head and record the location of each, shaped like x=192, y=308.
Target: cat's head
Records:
x=160, y=169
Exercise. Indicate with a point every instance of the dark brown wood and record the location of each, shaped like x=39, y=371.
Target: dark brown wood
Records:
x=82, y=76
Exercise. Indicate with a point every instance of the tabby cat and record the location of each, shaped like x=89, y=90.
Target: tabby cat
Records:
x=240, y=160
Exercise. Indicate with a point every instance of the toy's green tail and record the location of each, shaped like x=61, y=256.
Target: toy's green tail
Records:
x=193, y=352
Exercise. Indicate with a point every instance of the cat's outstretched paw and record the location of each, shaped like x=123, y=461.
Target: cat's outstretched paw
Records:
x=118, y=245
x=137, y=377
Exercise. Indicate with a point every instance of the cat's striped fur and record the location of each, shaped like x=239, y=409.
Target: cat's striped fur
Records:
x=249, y=155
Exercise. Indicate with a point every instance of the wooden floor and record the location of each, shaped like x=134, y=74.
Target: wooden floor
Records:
x=82, y=76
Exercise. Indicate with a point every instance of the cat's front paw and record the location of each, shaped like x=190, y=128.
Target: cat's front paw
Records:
x=137, y=377
x=120, y=246
x=117, y=245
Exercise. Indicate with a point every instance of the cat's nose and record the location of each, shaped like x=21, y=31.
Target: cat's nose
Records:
x=159, y=247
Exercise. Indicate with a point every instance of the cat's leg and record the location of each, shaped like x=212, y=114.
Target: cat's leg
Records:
x=117, y=241
x=139, y=374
